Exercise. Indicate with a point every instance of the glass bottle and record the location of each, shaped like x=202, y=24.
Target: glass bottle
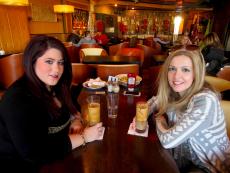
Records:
x=131, y=81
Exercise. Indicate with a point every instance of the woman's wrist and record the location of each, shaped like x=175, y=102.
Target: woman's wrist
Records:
x=76, y=117
x=77, y=140
x=83, y=139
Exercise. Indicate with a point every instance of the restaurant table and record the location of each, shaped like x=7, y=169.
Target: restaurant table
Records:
x=7, y=54
x=116, y=59
x=118, y=152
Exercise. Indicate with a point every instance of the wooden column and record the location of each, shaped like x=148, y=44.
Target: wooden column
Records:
x=91, y=21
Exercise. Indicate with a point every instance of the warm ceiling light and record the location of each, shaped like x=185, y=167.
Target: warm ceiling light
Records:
x=63, y=8
x=14, y=2
x=115, y=5
x=177, y=21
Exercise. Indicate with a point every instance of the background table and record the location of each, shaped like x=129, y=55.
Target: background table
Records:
x=118, y=152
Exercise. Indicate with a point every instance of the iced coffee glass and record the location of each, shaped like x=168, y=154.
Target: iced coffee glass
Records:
x=141, y=116
x=93, y=109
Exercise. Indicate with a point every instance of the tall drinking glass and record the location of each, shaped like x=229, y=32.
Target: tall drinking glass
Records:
x=93, y=109
x=141, y=116
x=112, y=104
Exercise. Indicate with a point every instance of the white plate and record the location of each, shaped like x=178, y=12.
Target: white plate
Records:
x=122, y=79
x=93, y=87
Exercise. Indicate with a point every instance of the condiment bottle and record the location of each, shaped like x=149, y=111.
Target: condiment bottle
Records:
x=131, y=81
x=116, y=87
x=110, y=84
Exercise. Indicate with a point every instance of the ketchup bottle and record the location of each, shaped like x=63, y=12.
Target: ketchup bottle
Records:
x=131, y=81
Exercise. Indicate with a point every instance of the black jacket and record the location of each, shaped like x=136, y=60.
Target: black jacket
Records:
x=214, y=58
x=26, y=135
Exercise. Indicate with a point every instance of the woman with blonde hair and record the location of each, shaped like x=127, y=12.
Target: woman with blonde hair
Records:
x=194, y=128
x=213, y=53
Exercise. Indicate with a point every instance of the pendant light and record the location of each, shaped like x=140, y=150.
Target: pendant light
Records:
x=14, y=2
x=63, y=8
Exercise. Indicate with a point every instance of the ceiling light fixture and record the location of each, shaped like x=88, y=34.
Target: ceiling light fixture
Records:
x=63, y=8
x=177, y=21
x=14, y=2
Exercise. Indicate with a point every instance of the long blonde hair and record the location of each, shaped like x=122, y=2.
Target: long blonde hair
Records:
x=167, y=98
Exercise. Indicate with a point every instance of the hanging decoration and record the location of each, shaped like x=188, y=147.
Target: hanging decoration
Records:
x=100, y=26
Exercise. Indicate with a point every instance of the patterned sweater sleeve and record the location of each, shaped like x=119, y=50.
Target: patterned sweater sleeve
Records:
x=152, y=105
x=197, y=117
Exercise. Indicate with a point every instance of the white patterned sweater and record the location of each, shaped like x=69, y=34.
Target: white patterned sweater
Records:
x=203, y=125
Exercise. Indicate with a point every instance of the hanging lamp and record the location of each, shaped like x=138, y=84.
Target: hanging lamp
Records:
x=63, y=8
x=14, y=2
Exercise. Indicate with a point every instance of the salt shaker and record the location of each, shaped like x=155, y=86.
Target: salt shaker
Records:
x=116, y=87
x=110, y=84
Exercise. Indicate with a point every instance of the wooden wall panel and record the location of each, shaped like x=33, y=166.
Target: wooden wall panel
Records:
x=64, y=22
x=45, y=27
x=14, y=32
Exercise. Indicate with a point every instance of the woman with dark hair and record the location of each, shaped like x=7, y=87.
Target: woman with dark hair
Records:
x=38, y=121
x=73, y=37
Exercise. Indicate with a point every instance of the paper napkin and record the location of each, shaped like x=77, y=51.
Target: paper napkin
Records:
x=132, y=131
x=102, y=134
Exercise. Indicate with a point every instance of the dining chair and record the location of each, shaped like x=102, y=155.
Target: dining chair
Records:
x=103, y=71
x=89, y=45
x=82, y=72
x=132, y=52
x=114, y=48
x=153, y=79
x=67, y=43
x=73, y=53
x=148, y=55
x=219, y=84
x=160, y=58
x=151, y=43
x=224, y=73
x=91, y=51
x=225, y=104
x=11, y=69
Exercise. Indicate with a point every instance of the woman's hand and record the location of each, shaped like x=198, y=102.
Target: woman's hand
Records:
x=76, y=126
x=161, y=123
x=93, y=133
x=133, y=124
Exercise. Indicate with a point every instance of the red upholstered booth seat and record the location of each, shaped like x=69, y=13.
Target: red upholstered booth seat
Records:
x=114, y=48
x=149, y=52
x=132, y=52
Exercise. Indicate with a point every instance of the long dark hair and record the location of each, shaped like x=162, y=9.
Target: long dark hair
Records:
x=36, y=48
